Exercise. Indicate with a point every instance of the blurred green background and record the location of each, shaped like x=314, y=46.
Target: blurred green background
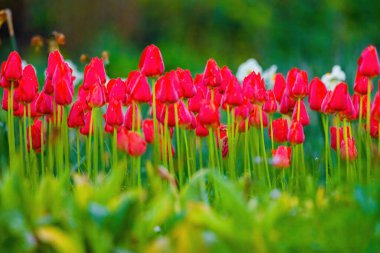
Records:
x=311, y=34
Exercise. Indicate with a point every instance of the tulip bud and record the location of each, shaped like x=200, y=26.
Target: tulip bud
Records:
x=233, y=94
x=148, y=129
x=28, y=85
x=212, y=76
x=303, y=116
x=279, y=86
x=166, y=91
x=136, y=145
x=296, y=134
x=12, y=69
x=116, y=89
x=151, y=63
x=270, y=105
x=281, y=157
x=368, y=63
x=114, y=114
x=348, y=149
x=76, y=115
x=140, y=90
x=317, y=93
x=186, y=83
x=280, y=130
x=44, y=104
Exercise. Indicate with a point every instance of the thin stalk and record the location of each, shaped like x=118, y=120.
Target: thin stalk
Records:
x=179, y=153
x=346, y=147
x=42, y=146
x=27, y=164
x=200, y=151
x=188, y=155
x=263, y=147
x=368, y=149
x=89, y=149
x=30, y=141
x=114, y=149
x=78, y=149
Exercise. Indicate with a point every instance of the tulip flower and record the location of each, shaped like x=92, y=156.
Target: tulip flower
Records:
x=317, y=92
x=63, y=84
x=116, y=89
x=254, y=118
x=270, y=105
x=224, y=146
x=254, y=88
x=136, y=145
x=212, y=76
x=374, y=128
x=226, y=77
x=209, y=114
x=361, y=84
x=196, y=101
x=287, y=104
x=200, y=130
x=336, y=101
x=114, y=114
x=44, y=104
x=28, y=85
x=12, y=69
x=301, y=116
x=148, y=130
x=296, y=83
x=375, y=109
x=151, y=63
x=4, y=104
x=55, y=58
x=85, y=130
x=281, y=157
x=35, y=130
x=97, y=96
x=348, y=149
x=166, y=91
x=140, y=90
x=233, y=93
x=184, y=116
x=76, y=117
x=368, y=63
x=296, y=134
x=356, y=98
x=186, y=83
x=279, y=86
x=280, y=130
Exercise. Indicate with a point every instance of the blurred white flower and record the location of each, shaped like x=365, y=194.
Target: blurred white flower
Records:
x=331, y=80
x=252, y=65
x=247, y=67
x=78, y=75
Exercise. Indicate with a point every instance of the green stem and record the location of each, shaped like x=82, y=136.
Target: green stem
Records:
x=368, y=149
x=114, y=149
x=263, y=147
x=179, y=153
x=78, y=149
x=42, y=146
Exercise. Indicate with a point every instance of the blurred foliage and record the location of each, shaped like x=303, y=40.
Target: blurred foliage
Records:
x=312, y=34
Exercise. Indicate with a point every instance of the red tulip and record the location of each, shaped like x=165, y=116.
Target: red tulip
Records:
x=375, y=109
x=280, y=130
x=12, y=69
x=333, y=136
x=317, y=93
x=85, y=130
x=270, y=105
x=209, y=114
x=350, y=113
x=63, y=84
x=186, y=83
x=348, y=151
x=361, y=84
x=279, y=86
x=140, y=90
x=303, y=115
x=233, y=94
x=200, y=130
x=36, y=129
x=242, y=112
x=226, y=77
x=76, y=117
x=97, y=96
x=114, y=114
x=148, y=129
x=184, y=116
x=296, y=83
x=55, y=58
x=136, y=145
x=44, y=104
x=224, y=146
x=286, y=105
x=132, y=117
x=212, y=76
x=151, y=63
x=374, y=128
x=296, y=134
x=368, y=63
x=336, y=101
x=166, y=87
x=254, y=88
x=281, y=157
x=28, y=85
x=196, y=101
x=116, y=89
x=356, y=102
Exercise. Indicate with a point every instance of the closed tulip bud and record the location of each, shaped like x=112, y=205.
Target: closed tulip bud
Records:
x=131, y=80
x=270, y=105
x=184, y=116
x=233, y=94
x=36, y=129
x=76, y=115
x=300, y=89
x=374, y=128
x=209, y=114
x=200, y=130
x=63, y=84
x=132, y=118
x=151, y=63
x=348, y=149
x=166, y=91
x=303, y=116
x=368, y=63
x=281, y=157
x=286, y=105
x=136, y=145
x=254, y=88
x=140, y=90
x=114, y=114
x=242, y=112
x=85, y=130
x=280, y=130
x=170, y=115
x=44, y=104
x=296, y=134
x=226, y=78
x=116, y=90
x=97, y=96
x=336, y=101
x=279, y=86
x=361, y=84
x=148, y=130
x=28, y=85
x=12, y=69
x=196, y=101
x=212, y=76
x=224, y=146
x=186, y=83
x=350, y=113
x=317, y=93
x=55, y=58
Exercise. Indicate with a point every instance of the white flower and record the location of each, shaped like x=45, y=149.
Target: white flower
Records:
x=250, y=65
x=247, y=67
x=331, y=80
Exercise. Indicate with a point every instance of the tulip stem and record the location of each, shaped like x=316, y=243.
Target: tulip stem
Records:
x=42, y=147
x=338, y=141
x=325, y=123
x=188, y=155
x=179, y=153
x=11, y=136
x=26, y=144
x=30, y=141
x=200, y=152
x=211, y=149
x=347, y=156
x=156, y=140
x=114, y=149
x=368, y=149
x=96, y=144
x=263, y=147
x=89, y=157
x=246, y=152
x=78, y=149
x=360, y=144
x=165, y=144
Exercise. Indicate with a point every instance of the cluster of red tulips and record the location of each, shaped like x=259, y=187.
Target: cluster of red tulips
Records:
x=181, y=112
